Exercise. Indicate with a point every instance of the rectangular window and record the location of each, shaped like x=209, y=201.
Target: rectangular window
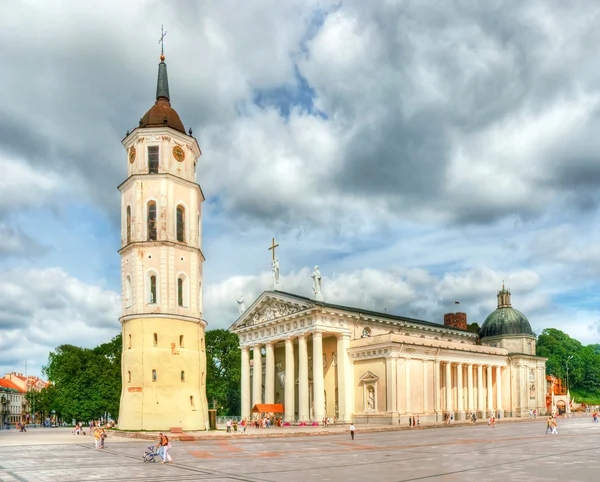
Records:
x=153, y=159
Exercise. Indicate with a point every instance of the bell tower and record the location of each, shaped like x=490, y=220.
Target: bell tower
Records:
x=164, y=359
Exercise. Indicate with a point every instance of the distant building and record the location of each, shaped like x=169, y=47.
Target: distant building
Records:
x=13, y=405
x=26, y=383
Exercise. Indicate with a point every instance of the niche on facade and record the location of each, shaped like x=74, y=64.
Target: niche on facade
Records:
x=369, y=383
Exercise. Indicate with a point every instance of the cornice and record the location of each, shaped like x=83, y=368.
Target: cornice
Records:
x=136, y=316
x=161, y=176
x=161, y=244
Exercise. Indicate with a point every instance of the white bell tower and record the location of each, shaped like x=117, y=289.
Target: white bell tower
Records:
x=164, y=359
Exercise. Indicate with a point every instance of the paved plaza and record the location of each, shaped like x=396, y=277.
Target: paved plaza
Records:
x=512, y=451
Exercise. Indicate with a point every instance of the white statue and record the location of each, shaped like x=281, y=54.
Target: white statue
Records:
x=310, y=366
x=280, y=374
x=275, y=267
x=371, y=399
x=241, y=305
x=333, y=360
x=324, y=360
x=316, y=277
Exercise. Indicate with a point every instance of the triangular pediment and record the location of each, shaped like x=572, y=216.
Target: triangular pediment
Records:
x=270, y=306
x=369, y=377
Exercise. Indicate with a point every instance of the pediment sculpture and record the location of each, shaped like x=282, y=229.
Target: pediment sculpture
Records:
x=272, y=311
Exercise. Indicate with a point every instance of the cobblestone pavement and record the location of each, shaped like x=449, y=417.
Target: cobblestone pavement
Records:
x=511, y=451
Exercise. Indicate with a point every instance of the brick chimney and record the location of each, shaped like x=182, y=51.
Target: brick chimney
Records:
x=456, y=320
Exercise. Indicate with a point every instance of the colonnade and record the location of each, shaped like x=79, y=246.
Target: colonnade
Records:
x=451, y=376
x=293, y=343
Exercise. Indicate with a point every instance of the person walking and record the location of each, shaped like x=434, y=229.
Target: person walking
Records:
x=549, y=425
x=352, y=429
x=166, y=445
x=554, y=427
x=102, y=437
x=97, y=438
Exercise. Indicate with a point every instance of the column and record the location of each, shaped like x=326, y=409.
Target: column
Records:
x=470, y=405
x=459, y=388
x=425, y=386
x=303, y=410
x=270, y=374
x=407, y=391
x=490, y=396
x=257, y=377
x=480, y=406
x=246, y=408
x=437, y=375
x=390, y=382
x=345, y=404
x=498, y=388
x=448, y=387
x=290, y=380
x=318, y=384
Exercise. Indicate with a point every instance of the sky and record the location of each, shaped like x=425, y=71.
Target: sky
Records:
x=419, y=152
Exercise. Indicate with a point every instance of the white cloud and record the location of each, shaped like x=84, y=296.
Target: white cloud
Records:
x=41, y=309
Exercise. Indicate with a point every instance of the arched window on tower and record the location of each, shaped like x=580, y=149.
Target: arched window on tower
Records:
x=128, y=224
x=152, y=290
x=153, y=159
x=128, y=377
x=152, y=221
x=128, y=292
x=155, y=340
x=181, y=224
x=181, y=345
x=182, y=376
x=153, y=375
x=182, y=291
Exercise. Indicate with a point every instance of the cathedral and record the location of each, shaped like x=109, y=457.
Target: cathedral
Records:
x=164, y=360
x=319, y=360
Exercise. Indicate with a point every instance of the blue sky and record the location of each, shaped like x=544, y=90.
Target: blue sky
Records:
x=418, y=153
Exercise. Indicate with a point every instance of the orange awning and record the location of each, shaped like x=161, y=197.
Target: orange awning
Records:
x=267, y=408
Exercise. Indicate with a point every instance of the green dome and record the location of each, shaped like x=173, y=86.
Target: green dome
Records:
x=506, y=321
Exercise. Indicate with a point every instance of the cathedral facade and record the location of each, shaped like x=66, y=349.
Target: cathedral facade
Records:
x=164, y=359
x=324, y=360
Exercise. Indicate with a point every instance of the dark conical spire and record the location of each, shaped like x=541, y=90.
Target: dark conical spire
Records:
x=162, y=85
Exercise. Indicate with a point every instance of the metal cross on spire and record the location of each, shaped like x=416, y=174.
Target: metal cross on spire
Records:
x=161, y=41
x=272, y=248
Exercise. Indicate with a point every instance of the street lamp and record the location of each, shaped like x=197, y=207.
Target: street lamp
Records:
x=567, y=363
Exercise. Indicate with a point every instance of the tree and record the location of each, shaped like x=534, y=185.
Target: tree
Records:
x=584, y=366
x=87, y=382
x=474, y=327
x=223, y=371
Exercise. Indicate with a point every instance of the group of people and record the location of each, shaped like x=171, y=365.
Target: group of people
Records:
x=414, y=422
x=326, y=421
x=532, y=413
x=492, y=422
x=162, y=448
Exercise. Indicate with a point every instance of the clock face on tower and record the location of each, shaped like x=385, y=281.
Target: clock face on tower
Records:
x=178, y=153
x=131, y=154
